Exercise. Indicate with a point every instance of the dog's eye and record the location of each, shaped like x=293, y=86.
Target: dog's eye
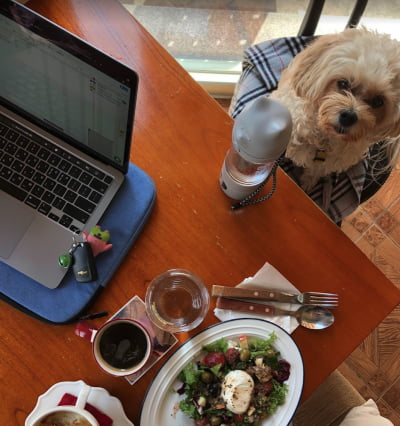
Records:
x=376, y=102
x=343, y=85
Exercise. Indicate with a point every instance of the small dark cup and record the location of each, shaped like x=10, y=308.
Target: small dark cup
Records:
x=121, y=346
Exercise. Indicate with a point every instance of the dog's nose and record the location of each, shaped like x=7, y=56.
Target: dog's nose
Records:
x=347, y=118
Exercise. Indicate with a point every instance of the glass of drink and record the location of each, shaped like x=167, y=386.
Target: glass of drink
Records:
x=177, y=300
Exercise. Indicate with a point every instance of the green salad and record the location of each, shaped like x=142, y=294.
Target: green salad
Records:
x=236, y=382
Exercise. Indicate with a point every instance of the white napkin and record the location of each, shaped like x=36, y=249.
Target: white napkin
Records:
x=266, y=277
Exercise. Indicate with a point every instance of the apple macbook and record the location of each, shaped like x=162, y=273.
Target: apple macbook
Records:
x=66, y=122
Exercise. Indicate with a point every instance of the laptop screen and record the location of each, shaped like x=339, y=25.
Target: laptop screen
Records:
x=65, y=85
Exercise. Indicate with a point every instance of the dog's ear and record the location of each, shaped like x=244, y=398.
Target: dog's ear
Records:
x=307, y=71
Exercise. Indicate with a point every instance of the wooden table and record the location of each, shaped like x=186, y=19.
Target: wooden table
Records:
x=180, y=138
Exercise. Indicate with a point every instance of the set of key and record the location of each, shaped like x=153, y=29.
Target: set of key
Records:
x=80, y=258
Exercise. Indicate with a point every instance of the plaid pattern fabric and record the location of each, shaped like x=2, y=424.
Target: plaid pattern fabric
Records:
x=338, y=194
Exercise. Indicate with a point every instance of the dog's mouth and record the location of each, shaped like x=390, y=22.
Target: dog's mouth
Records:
x=337, y=129
x=341, y=130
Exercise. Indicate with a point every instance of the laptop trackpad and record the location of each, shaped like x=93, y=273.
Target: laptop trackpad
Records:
x=15, y=219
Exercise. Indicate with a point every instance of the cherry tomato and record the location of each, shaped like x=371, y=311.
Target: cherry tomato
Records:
x=213, y=358
x=232, y=356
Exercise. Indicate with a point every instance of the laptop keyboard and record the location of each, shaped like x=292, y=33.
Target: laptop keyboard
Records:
x=48, y=178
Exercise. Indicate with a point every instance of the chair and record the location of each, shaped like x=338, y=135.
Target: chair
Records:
x=329, y=404
x=313, y=13
x=338, y=195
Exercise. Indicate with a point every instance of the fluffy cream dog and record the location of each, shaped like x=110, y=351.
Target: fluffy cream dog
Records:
x=343, y=92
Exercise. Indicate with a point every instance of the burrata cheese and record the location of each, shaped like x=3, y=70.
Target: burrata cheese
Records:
x=237, y=389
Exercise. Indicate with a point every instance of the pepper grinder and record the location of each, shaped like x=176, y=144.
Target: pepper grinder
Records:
x=261, y=133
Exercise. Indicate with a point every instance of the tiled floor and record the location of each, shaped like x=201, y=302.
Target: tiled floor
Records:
x=374, y=367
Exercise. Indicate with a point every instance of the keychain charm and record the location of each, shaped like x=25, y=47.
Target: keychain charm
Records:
x=66, y=260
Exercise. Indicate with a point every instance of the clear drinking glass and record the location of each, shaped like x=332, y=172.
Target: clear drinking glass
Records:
x=177, y=300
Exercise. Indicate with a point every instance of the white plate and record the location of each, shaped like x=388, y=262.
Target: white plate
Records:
x=98, y=397
x=160, y=403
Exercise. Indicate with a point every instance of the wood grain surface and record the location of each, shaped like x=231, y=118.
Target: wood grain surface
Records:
x=180, y=137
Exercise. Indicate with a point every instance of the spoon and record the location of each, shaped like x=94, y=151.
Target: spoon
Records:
x=313, y=317
x=308, y=316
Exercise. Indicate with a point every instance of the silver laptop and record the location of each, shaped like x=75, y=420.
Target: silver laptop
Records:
x=66, y=117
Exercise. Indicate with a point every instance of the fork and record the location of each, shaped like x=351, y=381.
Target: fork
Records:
x=328, y=300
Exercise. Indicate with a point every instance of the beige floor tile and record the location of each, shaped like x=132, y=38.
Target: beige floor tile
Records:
x=394, y=235
x=350, y=231
x=386, y=257
x=374, y=236
x=364, y=245
x=379, y=383
x=394, y=209
x=388, y=344
x=352, y=376
x=373, y=208
x=370, y=347
x=365, y=368
x=387, y=222
x=360, y=221
x=391, y=367
x=390, y=190
x=392, y=395
x=387, y=412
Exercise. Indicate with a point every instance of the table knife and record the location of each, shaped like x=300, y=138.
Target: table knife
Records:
x=255, y=294
x=240, y=305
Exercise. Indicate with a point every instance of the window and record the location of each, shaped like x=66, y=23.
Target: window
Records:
x=208, y=37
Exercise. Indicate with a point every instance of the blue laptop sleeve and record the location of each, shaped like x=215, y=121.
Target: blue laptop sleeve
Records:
x=125, y=218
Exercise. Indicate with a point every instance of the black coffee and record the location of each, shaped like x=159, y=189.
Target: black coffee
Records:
x=123, y=345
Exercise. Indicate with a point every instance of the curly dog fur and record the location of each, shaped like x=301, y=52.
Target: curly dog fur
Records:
x=343, y=92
